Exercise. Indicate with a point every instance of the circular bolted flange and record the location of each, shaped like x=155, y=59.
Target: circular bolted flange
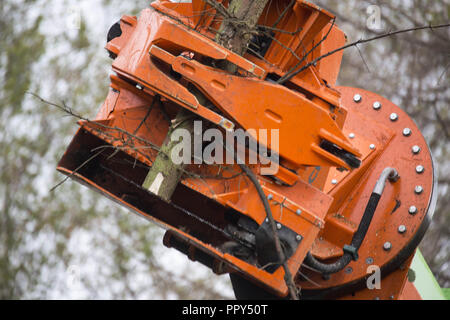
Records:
x=372, y=115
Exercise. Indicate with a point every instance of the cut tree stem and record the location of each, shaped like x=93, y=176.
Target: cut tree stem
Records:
x=165, y=175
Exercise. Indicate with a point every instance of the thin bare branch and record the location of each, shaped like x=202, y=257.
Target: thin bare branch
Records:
x=290, y=75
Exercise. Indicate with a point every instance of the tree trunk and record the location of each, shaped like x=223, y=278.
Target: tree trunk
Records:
x=234, y=35
x=164, y=175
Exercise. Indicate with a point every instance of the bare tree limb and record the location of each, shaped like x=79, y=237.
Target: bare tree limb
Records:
x=290, y=75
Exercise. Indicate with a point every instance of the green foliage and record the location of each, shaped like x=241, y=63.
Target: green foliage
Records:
x=21, y=52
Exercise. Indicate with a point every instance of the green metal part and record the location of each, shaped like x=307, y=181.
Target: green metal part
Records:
x=425, y=283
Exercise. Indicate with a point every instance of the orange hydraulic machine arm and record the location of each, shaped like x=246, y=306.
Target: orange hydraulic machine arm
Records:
x=354, y=184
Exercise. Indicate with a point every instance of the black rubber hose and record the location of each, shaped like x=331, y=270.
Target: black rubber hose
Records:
x=329, y=268
x=351, y=252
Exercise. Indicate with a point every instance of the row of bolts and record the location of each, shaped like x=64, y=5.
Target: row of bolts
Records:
x=415, y=150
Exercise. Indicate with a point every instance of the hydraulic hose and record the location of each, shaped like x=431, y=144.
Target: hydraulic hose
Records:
x=351, y=251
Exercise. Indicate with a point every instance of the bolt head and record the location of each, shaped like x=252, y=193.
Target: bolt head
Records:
x=418, y=189
x=334, y=181
x=298, y=212
x=298, y=237
x=412, y=210
x=139, y=87
x=377, y=105
x=279, y=226
x=415, y=149
x=357, y=98
x=420, y=169
x=387, y=246
x=369, y=261
x=351, y=135
x=393, y=117
x=372, y=147
x=270, y=197
x=402, y=229
x=407, y=132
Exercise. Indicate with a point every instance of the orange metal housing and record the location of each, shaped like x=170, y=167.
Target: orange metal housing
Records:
x=316, y=196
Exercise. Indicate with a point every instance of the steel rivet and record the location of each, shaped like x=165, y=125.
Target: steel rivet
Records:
x=387, y=246
x=418, y=189
x=420, y=169
x=298, y=212
x=270, y=197
x=402, y=229
x=415, y=149
x=278, y=226
x=334, y=181
x=377, y=105
x=372, y=147
x=351, y=135
x=407, y=132
x=357, y=98
x=393, y=117
x=298, y=237
x=412, y=210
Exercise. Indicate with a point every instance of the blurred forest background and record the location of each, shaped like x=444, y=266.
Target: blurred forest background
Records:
x=71, y=243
